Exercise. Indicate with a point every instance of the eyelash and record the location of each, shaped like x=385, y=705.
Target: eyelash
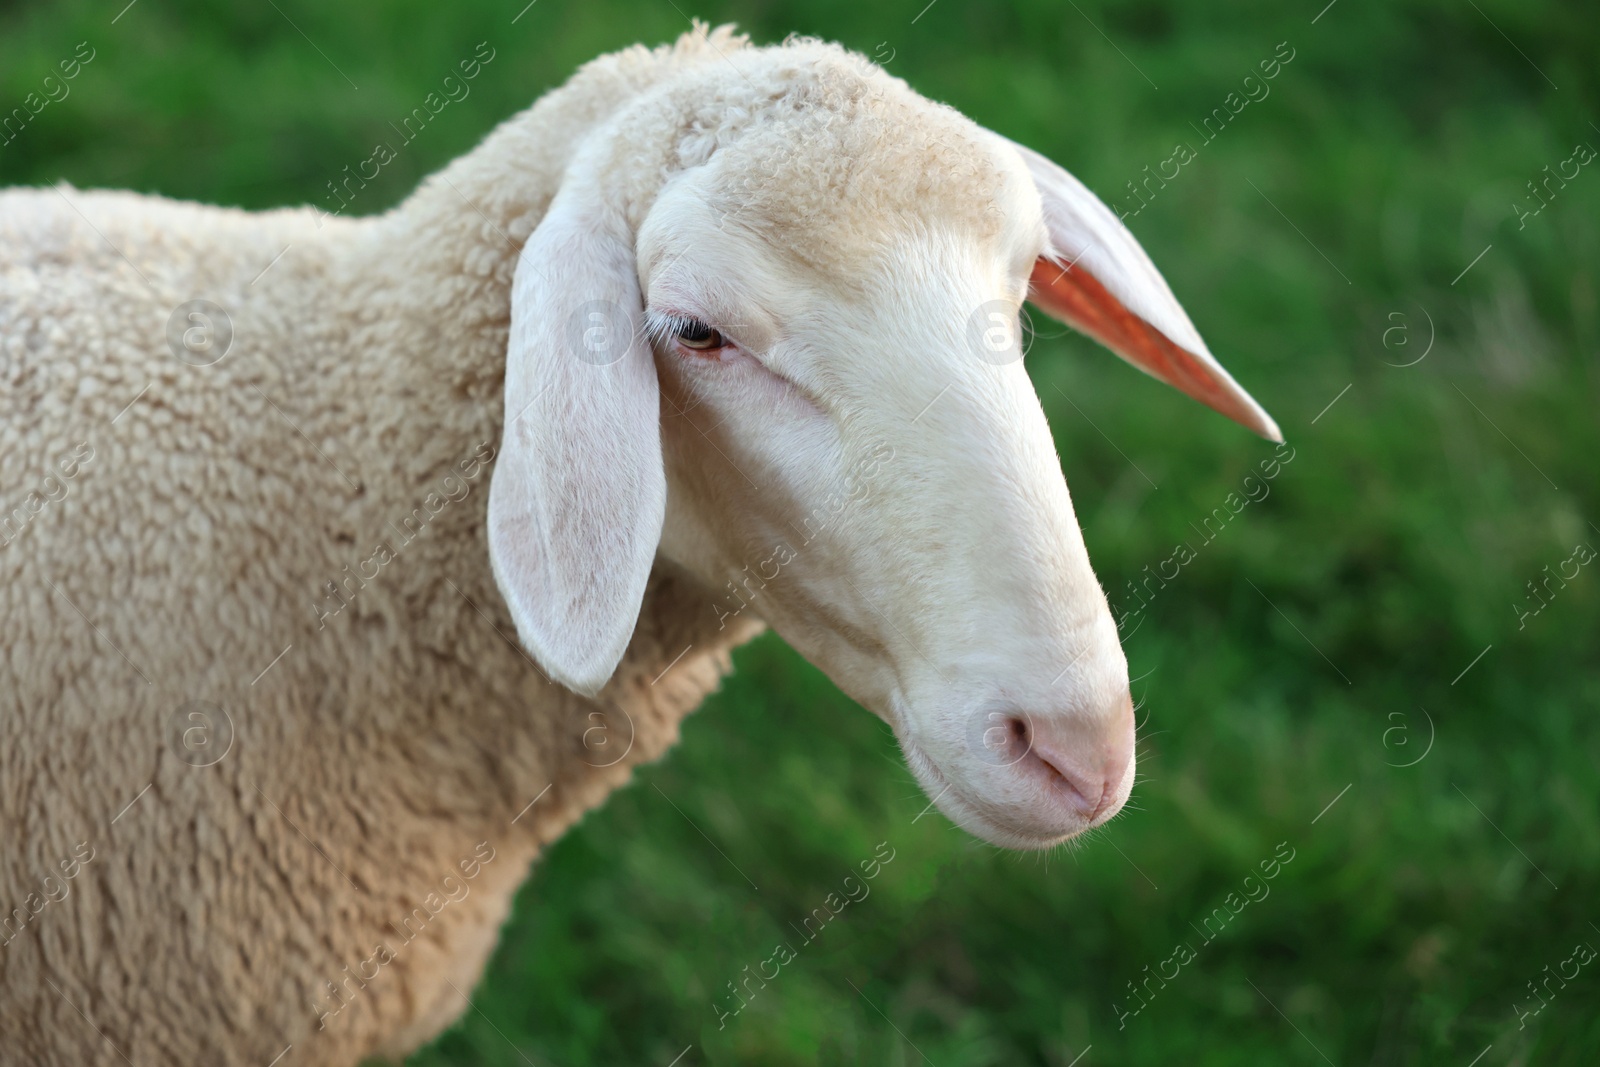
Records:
x=665, y=327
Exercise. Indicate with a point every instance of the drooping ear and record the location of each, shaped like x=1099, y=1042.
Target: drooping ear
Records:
x=579, y=492
x=1095, y=278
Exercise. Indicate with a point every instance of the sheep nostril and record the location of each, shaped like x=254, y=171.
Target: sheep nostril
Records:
x=1019, y=734
x=1065, y=764
x=1084, y=793
x=1005, y=739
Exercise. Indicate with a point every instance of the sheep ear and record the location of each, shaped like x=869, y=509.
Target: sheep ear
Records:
x=579, y=493
x=1095, y=278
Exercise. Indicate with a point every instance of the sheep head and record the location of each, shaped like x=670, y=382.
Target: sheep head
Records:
x=768, y=332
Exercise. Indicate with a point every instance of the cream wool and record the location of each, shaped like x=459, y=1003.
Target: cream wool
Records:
x=300, y=533
x=388, y=741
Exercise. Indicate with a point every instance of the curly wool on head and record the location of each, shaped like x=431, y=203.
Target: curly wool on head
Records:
x=830, y=148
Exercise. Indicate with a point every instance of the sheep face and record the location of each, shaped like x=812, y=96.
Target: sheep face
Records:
x=815, y=403
x=857, y=455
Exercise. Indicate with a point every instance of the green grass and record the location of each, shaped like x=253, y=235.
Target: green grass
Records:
x=1288, y=665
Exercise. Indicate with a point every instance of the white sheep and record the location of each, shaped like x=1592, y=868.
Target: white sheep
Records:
x=733, y=332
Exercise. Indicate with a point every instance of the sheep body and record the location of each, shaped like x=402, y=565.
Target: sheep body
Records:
x=384, y=732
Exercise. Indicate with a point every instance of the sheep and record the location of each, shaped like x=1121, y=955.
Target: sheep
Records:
x=391, y=545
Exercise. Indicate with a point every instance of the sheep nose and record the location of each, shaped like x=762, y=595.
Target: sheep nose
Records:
x=1083, y=765
x=1090, y=784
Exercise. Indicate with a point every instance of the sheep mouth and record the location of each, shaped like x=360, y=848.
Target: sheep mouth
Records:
x=977, y=818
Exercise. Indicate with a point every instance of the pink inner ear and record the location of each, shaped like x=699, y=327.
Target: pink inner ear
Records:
x=1077, y=298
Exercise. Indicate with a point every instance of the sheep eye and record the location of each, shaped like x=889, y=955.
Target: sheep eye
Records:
x=699, y=336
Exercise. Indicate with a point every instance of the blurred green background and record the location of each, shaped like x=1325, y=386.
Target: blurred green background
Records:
x=1364, y=616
